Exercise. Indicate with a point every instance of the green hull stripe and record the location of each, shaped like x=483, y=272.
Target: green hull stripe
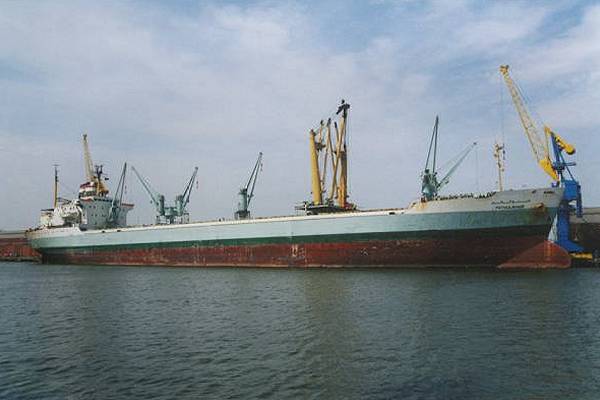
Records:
x=343, y=238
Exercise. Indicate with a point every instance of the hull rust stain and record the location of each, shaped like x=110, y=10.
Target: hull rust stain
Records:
x=518, y=252
x=17, y=249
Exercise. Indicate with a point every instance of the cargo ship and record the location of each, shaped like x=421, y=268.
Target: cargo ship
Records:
x=498, y=229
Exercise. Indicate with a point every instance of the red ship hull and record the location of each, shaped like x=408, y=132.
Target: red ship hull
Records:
x=518, y=252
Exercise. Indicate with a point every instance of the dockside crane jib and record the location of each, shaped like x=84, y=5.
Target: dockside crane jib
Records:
x=539, y=143
x=557, y=169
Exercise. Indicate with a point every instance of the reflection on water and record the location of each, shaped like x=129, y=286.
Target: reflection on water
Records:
x=112, y=332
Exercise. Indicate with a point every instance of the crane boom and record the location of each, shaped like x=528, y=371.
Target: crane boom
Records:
x=254, y=177
x=247, y=192
x=115, y=207
x=538, y=141
x=461, y=158
x=151, y=192
x=87, y=159
x=93, y=173
x=430, y=186
x=188, y=189
x=433, y=145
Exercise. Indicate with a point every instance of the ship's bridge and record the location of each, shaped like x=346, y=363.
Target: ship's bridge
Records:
x=90, y=189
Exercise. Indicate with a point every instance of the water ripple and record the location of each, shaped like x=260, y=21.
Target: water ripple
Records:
x=73, y=332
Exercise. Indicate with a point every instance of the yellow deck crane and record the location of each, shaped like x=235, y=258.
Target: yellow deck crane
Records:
x=93, y=173
x=329, y=149
x=557, y=169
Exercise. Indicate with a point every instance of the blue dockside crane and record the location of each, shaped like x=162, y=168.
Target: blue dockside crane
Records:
x=571, y=200
x=557, y=169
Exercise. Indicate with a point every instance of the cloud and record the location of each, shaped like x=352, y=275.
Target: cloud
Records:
x=168, y=88
x=500, y=25
x=566, y=54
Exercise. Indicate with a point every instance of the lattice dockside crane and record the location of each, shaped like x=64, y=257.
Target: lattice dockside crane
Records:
x=557, y=169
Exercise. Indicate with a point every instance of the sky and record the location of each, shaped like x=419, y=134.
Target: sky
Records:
x=167, y=86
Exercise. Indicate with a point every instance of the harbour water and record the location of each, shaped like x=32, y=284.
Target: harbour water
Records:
x=75, y=332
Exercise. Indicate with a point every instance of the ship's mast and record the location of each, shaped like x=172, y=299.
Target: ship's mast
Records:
x=342, y=156
x=55, y=199
x=500, y=156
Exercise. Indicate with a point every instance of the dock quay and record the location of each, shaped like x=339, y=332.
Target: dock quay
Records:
x=14, y=247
